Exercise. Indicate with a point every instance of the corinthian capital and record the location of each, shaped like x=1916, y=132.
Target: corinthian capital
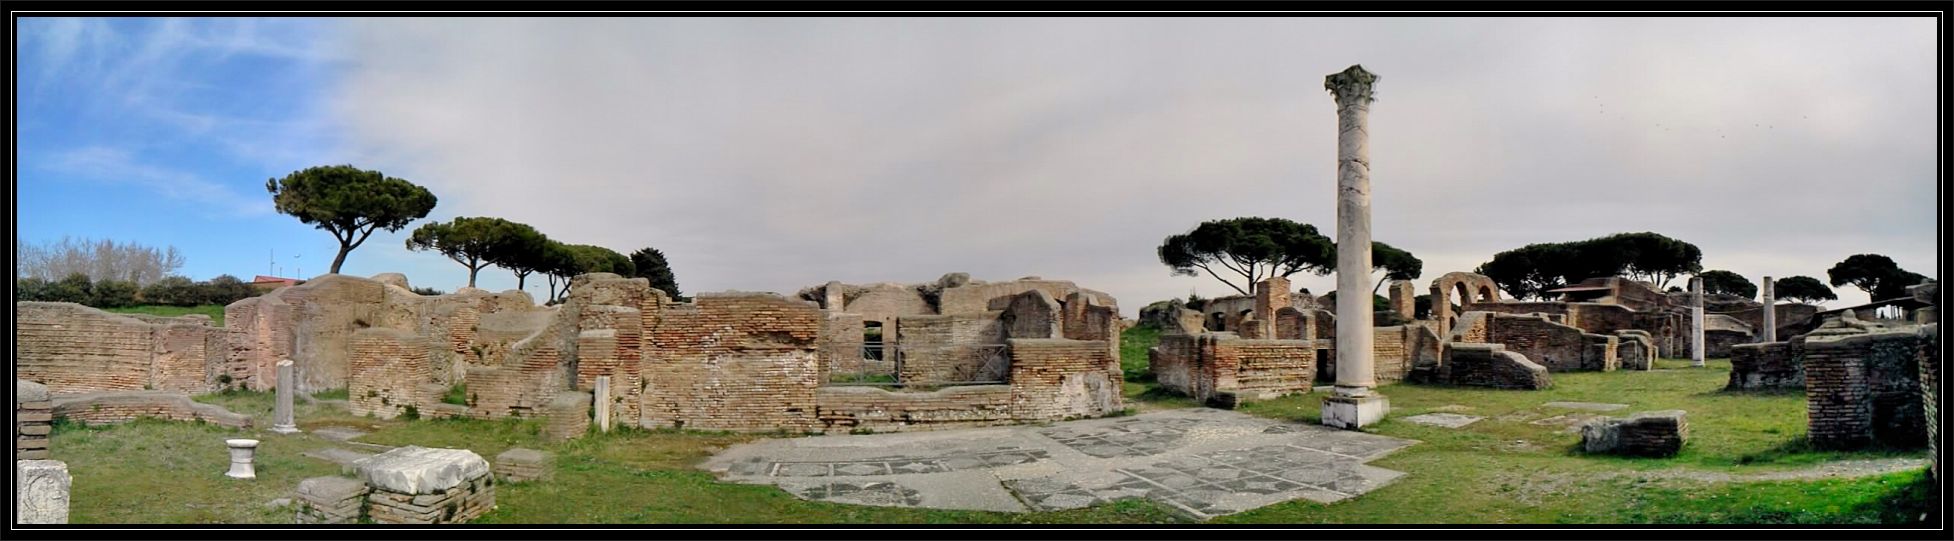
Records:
x=1351, y=85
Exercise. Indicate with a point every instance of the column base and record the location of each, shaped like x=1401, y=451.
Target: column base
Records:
x=285, y=429
x=1351, y=412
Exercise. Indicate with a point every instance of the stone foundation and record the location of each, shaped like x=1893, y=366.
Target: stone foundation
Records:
x=1864, y=389
x=1767, y=366
x=330, y=500
x=120, y=407
x=33, y=420
x=522, y=465
x=848, y=409
x=1656, y=434
x=1490, y=365
x=418, y=485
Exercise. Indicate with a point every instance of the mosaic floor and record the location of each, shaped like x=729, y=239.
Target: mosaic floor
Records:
x=1204, y=462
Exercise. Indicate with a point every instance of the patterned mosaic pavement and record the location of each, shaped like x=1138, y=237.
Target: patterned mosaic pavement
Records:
x=1203, y=462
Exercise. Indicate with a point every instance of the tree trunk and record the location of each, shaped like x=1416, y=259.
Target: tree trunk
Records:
x=520, y=276
x=471, y=275
x=340, y=259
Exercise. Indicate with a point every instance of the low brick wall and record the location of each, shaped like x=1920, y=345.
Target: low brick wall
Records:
x=330, y=500
x=1054, y=379
x=1559, y=348
x=1864, y=389
x=75, y=349
x=33, y=419
x=1767, y=366
x=1221, y=369
x=456, y=505
x=1635, y=350
x=568, y=416
x=389, y=372
x=1655, y=434
x=846, y=409
x=1490, y=365
x=120, y=407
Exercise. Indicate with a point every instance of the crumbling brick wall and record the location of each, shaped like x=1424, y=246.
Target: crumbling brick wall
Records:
x=847, y=409
x=73, y=349
x=977, y=297
x=732, y=362
x=1863, y=389
x=1269, y=368
x=1767, y=366
x=1032, y=314
x=841, y=344
x=123, y=406
x=1174, y=362
x=1599, y=353
x=389, y=374
x=1635, y=349
x=950, y=348
x=1555, y=346
x=1059, y=379
x=1490, y=365
x=1085, y=318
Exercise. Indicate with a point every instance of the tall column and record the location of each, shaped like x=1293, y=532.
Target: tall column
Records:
x=1770, y=333
x=1696, y=321
x=601, y=394
x=282, y=422
x=1354, y=404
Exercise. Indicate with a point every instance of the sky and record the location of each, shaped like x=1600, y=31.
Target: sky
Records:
x=774, y=154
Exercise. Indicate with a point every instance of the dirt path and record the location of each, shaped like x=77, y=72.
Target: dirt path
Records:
x=1843, y=469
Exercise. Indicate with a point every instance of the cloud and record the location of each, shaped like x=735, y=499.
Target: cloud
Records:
x=777, y=153
x=116, y=166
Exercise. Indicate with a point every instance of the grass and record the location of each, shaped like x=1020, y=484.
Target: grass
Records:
x=216, y=312
x=457, y=394
x=1501, y=470
x=332, y=394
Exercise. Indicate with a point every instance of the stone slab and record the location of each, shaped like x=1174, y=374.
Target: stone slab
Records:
x=1202, y=462
x=43, y=487
x=337, y=433
x=421, y=470
x=1447, y=420
x=1590, y=406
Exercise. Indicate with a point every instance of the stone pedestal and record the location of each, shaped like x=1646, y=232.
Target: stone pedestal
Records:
x=420, y=485
x=241, y=452
x=43, y=491
x=283, y=422
x=1351, y=412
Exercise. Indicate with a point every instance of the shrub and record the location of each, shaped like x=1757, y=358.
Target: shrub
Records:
x=112, y=294
x=172, y=290
x=30, y=289
x=428, y=291
x=73, y=289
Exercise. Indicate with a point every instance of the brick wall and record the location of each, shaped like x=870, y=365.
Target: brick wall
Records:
x=1174, y=361
x=977, y=297
x=1635, y=350
x=1490, y=365
x=1032, y=314
x=1767, y=366
x=1552, y=345
x=841, y=344
x=1058, y=379
x=1717, y=343
x=952, y=348
x=73, y=349
x=123, y=406
x=1269, y=368
x=845, y=409
x=1598, y=353
x=732, y=362
x=1864, y=389
x=390, y=372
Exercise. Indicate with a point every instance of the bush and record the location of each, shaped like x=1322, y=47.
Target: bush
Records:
x=428, y=291
x=112, y=294
x=73, y=289
x=172, y=291
x=30, y=289
x=224, y=290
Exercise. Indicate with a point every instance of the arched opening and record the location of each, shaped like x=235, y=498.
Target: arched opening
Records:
x=1486, y=294
x=1465, y=295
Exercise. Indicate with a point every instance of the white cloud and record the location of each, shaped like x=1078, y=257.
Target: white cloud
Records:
x=773, y=154
x=116, y=166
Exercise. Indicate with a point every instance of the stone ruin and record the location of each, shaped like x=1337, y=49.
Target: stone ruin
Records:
x=1021, y=351
x=407, y=485
x=1652, y=434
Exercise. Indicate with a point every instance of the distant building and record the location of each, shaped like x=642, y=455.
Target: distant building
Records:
x=268, y=283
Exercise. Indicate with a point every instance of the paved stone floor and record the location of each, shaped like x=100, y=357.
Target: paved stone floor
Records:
x=1204, y=462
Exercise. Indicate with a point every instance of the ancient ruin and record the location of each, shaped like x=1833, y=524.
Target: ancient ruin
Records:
x=956, y=353
x=1355, y=404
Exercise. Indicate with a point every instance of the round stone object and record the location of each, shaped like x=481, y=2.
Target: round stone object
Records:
x=241, y=453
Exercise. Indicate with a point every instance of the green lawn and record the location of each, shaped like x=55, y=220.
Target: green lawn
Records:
x=1500, y=470
x=216, y=312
